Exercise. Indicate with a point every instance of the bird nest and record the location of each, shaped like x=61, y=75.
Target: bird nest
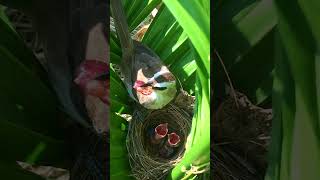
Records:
x=150, y=161
x=241, y=137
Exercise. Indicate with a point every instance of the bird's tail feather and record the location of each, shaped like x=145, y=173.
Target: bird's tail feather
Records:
x=126, y=42
x=122, y=27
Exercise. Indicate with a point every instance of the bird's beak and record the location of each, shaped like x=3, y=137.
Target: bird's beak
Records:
x=173, y=139
x=89, y=69
x=161, y=131
x=138, y=84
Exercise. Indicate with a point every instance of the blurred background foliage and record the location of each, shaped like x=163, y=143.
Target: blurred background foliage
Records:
x=30, y=122
x=270, y=50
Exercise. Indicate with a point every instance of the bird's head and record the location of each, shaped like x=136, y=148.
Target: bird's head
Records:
x=157, y=91
x=92, y=78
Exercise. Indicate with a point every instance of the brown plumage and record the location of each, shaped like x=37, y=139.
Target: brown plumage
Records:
x=147, y=79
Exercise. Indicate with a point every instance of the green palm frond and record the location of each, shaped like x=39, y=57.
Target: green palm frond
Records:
x=295, y=149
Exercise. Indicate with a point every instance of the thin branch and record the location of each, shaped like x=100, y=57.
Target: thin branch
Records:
x=233, y=92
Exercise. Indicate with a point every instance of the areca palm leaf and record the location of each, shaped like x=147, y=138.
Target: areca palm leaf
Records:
x=194, y=19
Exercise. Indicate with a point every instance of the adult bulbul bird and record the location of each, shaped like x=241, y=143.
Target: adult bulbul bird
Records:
x=72, y=33
x=147, y=79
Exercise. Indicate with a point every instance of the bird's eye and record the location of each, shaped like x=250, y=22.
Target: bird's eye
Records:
x=160, y=79
x=160, y=88
x=146, y=85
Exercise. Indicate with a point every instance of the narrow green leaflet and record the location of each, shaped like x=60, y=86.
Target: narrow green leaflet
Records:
x=143, y=13
x=168, y=39
x=165, y=34
x=195, y=21
x=119, y=162
x=299, y=156
x=240, y=25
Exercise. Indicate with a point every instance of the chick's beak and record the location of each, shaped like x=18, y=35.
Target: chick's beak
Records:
x=161, y=131
x=173, y=139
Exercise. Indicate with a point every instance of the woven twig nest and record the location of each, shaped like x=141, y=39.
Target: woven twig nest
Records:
x=147, y=160
x=241, y=139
